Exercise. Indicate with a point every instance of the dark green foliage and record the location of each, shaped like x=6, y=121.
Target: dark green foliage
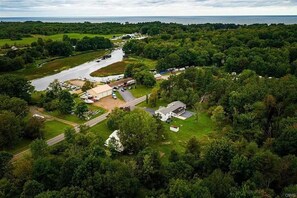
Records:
x=15, y=86
x=31, y=189
x=66, y=102
x=58, y=48
x=10, y=129
x=93, y=44
x=5, y=165
x=34, y=128
x=81, y=109
x=219, y=184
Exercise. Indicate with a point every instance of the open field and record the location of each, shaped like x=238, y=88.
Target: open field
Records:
x=188, y=128
x=51, y=129
x=119, y=67
x=56, y=37
x=58, y=65
x=113, y=69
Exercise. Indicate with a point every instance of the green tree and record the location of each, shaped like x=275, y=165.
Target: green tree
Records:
x=193, y=147
x=31, y=189
x=81, y=109
x=218, y=116
x=10, y=129
x=114, y=118
x=39, y=149
x=87, y=85
x=179, y=188
x=15, y=86
x=5, y=163
x=66, y=102
x=34, y=128
x=219, y=155
x=137, y=130
x=69, y=134
x=219, y=184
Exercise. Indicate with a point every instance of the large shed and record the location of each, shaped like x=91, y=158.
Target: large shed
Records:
x=100, y=91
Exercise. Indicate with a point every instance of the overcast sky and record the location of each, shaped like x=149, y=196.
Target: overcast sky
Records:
x=56, y=8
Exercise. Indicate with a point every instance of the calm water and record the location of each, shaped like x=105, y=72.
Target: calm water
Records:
x=165, y=19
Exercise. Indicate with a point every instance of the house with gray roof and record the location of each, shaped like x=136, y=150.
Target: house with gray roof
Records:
x=174, y=109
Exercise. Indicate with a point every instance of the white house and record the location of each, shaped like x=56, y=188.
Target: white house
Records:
x=100, y=91
x=173, y=109
x=116, y=141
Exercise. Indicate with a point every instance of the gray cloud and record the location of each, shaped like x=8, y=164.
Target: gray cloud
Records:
x=109, y=7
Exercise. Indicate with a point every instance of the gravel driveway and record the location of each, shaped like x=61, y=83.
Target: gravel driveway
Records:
x=127, y=96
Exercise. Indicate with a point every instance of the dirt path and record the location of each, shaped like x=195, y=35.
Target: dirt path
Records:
x=36, y=110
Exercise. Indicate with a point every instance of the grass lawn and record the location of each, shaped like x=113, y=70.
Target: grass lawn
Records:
x=188, y=129
x=101, y=130
x=51, y=129
x=159, y=103
x=58, y=65
x=113, y=69
x=73, y=118
x=140, y=91
x=56, y=37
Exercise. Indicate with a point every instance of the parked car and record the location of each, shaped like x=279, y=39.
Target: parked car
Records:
x=122, y=89
x=88, y=101
x=38, y=116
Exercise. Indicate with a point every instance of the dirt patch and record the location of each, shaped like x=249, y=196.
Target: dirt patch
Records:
x=78, y=83
x=109, y=103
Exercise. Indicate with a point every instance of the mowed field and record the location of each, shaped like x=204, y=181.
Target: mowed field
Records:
x=56, y=37
x=58, y=65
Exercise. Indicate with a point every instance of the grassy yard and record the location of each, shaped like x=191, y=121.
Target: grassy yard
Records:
x=188, y=129
x=56, y=37
x=140, y=91
x=51, y=129
x=159, y=103
x=58, y=65
x=173, y=141
x=101, y=130
x=73, y=118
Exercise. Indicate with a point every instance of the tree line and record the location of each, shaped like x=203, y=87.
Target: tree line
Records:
x=18, y=59
x=267, y=50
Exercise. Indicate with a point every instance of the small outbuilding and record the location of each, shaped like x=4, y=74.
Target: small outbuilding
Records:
x=115, y=140
x=100, y=91
x=174, y=109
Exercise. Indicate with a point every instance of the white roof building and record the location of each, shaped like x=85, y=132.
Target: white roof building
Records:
x=117, y=143
x=100, y=91
x=173, y=109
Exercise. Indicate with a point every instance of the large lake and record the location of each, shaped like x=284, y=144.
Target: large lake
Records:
x=165, y=19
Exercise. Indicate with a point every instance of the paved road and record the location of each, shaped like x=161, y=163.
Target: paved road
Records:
x=127, y=96
x=89, y=123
